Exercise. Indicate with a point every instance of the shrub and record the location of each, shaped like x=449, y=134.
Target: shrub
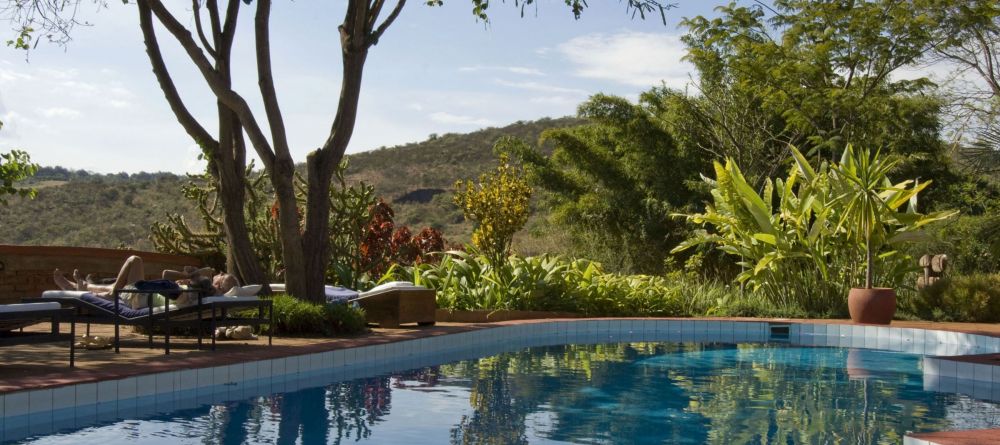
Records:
x=801, y=242
x=971, y=243
x=498, y=204
x=961, y=298
x=297, y=317
x=466, y=281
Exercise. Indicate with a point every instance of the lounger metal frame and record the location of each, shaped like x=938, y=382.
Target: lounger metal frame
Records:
x=191, y=316
x=55, y=316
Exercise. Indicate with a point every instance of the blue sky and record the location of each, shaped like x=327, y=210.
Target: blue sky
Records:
x=95, y=104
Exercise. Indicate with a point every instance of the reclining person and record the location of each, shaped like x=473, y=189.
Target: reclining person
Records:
x=132, y=271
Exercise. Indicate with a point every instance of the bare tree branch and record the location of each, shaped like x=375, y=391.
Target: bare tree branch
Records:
x=186, y=119
x=196, y=12
x=225, y=94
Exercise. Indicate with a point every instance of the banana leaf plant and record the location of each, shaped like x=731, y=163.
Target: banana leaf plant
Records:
x=801, y=239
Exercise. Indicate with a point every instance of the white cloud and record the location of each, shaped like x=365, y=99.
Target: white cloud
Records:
x=541, y=87
x=561, y=101
x=54, y=112
x=192, y=164
x=448, y=118
x=527, y=71
x=14, y=122
x=9, y=76
x=114, y=103
x=631, y=58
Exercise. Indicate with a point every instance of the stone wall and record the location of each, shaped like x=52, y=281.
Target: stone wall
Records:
x=26, y=271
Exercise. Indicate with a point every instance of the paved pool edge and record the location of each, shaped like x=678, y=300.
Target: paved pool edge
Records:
x=952, y=368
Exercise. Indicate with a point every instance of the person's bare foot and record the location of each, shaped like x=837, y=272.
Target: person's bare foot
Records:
x=81, y=283
x=59, y=277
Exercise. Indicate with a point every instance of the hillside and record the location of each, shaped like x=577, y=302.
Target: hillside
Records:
x=116, y=210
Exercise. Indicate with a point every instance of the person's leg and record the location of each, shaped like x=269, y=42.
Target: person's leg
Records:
x=131, y=272
x=82, y=285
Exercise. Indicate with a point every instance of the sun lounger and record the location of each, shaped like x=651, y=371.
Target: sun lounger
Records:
x=15, y=317
x=208, y=313
x=387, y=305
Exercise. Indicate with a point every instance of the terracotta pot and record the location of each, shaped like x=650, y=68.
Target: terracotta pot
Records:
x=872, y=306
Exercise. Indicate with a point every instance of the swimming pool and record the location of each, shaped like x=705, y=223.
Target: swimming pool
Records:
x=611, y=387
x=597, y=381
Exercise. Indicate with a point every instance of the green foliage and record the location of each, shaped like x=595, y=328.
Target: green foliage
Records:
x=293, y=316
x=434, y=165
x=137, y=200
x=207, y=240
x=870, y=210
x=14, y=167
x=498, y=204
x=971, y=243
x=350, y=213
x=815, y=74
x=962, y=298
x=466, y=281
x=614, y=180
x=794, y=240
x=93, y=210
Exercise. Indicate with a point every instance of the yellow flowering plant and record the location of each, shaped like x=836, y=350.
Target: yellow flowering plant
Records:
x=498, y=205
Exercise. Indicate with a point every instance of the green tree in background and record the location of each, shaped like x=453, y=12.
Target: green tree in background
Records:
x=811, y=74
x=15, y=166
x=614, y=181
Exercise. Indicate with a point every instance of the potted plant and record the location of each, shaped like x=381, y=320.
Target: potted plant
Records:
x=870, y=216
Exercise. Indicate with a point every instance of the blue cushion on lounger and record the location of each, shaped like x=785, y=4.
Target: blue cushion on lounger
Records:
x=123, y=309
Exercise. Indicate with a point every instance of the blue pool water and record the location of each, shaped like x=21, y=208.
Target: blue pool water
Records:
x=621, y=393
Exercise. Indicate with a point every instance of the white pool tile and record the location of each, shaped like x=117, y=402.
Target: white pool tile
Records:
x=206, y=376
x=62, y=397
x=882, y=342
x=165, y=382
x=40, y=401
x=965, y=371
x=290, y=366
x=236, y=373
x=145, y=385
x=86, y=394
x=982, y=372
x=220, y=375
x=185, y=379
x=127, y=387
x=871, y=340
x=251, y=371
x=278, y=367
x=947, y=368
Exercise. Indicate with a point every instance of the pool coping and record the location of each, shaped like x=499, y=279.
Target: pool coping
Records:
x=950, y=372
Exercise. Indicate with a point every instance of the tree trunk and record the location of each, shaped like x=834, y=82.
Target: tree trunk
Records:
x=283, y=181
x=868, y=262
x=232, y=194
x=316, y=238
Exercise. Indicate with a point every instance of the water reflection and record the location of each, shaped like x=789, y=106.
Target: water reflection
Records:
x=609, y=393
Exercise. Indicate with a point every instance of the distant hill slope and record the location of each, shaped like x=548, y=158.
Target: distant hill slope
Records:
x=116, y=210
